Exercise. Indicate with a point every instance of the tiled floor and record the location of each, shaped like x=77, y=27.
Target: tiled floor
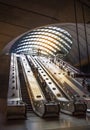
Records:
x=33, y=122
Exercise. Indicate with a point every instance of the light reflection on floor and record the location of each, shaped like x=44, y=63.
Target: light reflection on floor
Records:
x=35, y=123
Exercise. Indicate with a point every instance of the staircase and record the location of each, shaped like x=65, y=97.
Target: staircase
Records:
x=24, y=92
x=25, y=97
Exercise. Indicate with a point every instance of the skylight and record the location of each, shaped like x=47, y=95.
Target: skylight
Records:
x=48, y=40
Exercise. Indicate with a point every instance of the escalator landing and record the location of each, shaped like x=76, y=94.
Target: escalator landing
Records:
x=64, y=122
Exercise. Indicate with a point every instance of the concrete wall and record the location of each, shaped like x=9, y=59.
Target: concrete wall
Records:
x=4, y=78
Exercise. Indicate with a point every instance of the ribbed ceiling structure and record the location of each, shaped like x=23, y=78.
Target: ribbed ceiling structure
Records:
x=48, y=40
x=64, y=42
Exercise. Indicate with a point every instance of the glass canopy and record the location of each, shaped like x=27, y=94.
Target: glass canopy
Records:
x=48, y=40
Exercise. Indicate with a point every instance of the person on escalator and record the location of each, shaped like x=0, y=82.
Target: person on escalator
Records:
x=84, y=83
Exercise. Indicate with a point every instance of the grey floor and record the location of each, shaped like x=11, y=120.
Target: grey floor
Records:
x=33, y=122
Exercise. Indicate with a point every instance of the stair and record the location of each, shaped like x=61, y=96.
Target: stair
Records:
x=25, y=98
x=24, y=92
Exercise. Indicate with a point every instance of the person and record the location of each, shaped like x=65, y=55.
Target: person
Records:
x=83, y=82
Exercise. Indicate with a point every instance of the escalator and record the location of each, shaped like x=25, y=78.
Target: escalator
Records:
x=39, y=103
x=24, y=92
x=72, y=106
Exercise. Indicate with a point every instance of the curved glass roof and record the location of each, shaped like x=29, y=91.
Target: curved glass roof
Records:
x=48, y=40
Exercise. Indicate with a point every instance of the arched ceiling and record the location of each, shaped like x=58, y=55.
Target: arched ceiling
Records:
x=48, y=40
x=19, y=16
x=54, y=39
